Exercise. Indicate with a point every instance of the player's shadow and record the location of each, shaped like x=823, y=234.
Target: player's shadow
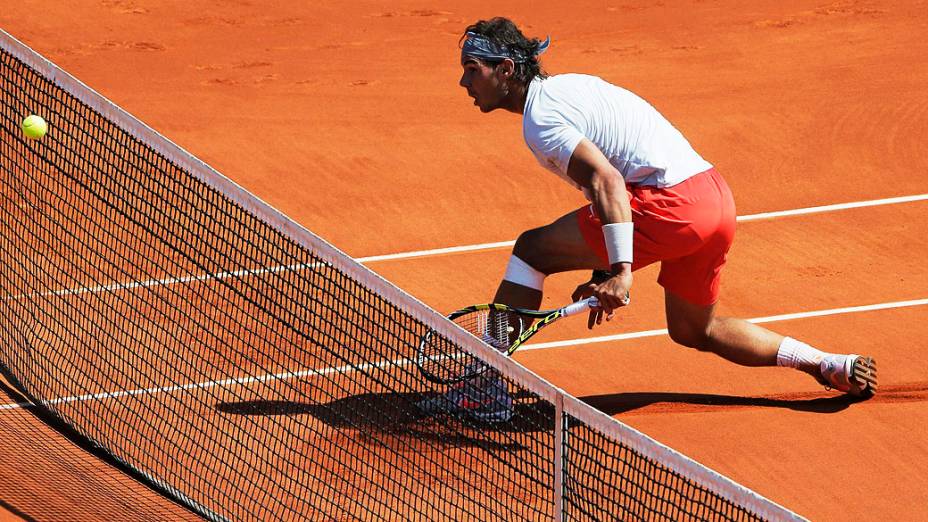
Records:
x=396, y=414
x=617, y=403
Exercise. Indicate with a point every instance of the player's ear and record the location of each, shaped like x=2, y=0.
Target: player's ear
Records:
x=506, y=68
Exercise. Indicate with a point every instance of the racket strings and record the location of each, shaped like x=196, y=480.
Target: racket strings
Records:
x=492, y=327
x=446, y=362
x=496, y=328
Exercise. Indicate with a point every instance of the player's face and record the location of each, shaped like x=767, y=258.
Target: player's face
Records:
x=483, y=84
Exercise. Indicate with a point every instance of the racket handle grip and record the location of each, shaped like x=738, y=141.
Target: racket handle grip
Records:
x=580, y=306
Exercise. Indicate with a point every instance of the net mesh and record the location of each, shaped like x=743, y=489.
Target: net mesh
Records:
x=608, y=480
x=246, y=374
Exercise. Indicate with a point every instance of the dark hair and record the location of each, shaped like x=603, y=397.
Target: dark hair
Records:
x=503, y=32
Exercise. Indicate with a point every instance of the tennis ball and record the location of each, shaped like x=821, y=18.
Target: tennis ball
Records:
x=34, y=127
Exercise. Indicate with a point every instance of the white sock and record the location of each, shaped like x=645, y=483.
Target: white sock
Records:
x=798, y=355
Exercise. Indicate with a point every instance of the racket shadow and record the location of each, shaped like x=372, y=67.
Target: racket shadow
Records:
x=669, y=402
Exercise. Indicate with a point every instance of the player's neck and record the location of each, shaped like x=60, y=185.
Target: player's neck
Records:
x=515, y=101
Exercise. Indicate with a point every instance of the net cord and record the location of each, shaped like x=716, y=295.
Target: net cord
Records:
x=559, y=428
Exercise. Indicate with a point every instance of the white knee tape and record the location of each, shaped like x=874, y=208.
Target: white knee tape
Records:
x=521, y=273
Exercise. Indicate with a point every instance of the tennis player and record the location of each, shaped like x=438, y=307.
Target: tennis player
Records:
x=653, y=199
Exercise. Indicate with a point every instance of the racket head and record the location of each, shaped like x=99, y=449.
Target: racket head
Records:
x=443, y=362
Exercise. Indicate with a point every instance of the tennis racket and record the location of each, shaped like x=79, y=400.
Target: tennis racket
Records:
x=501, y=326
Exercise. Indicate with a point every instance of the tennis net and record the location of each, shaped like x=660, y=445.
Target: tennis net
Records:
x=249, y=370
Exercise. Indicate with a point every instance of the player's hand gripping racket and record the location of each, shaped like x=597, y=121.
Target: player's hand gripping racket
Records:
x=501, y=326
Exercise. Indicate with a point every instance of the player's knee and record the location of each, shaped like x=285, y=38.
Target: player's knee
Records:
x=689, y=336
x=523, y=265
x=529, y=247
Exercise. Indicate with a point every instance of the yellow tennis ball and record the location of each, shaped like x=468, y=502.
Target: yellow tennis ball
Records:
x=34, y=127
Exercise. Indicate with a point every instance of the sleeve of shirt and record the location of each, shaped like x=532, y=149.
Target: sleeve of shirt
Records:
x=554, y=144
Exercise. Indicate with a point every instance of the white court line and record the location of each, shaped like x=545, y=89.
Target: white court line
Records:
x=403, y=362
x=282, y=376
x=749, y=217
x=756, y=320
x=432, y=252
x=159, y=282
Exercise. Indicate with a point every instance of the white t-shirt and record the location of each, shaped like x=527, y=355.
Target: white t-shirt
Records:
x=635, y=138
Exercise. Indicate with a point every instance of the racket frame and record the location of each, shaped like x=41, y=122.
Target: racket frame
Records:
x=542, y=319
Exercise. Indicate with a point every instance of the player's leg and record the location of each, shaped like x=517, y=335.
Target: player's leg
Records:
x=748, y=344
x=691, y=284
x=540, y=252
x=736, y=340
x=691, y=289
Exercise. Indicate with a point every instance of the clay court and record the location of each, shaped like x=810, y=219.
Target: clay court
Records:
x=348, y=118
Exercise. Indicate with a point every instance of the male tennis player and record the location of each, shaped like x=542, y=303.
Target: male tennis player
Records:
x=652, y=199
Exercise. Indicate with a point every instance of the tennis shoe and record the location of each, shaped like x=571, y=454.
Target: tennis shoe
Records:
x=851, y=374
x=483, y=398
x=435, y=404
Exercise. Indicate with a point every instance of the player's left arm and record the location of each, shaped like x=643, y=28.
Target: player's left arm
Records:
x=589, y=168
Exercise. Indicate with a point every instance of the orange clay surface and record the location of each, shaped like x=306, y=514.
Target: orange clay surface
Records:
x=348, y=118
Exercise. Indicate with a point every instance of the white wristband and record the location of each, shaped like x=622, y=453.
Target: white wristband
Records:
x=619, y=241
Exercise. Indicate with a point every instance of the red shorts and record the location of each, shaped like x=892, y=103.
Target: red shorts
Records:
x=688, y=227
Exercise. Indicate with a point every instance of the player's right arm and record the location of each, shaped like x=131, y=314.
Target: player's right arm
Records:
x=605, y=185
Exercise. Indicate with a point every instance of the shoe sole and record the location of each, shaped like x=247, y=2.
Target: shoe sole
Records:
x=434, y=406
x=864, y=373
x=492, y=417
